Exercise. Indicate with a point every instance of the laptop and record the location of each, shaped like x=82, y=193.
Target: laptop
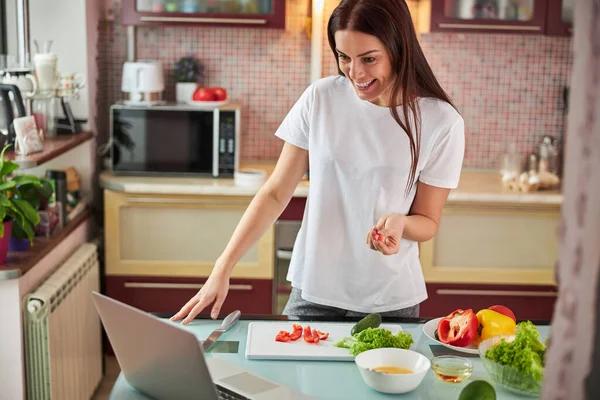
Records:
x=165, y=361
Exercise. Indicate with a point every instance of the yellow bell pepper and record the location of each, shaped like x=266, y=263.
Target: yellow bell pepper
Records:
x=492, y=323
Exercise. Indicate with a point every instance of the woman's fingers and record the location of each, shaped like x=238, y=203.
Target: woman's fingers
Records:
x=201, y=305
x=185, y=310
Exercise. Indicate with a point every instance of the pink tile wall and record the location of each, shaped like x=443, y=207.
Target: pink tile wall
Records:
x=507, y=87
x=265, y=70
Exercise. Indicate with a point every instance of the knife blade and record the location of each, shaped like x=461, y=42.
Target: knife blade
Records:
x=227, y=323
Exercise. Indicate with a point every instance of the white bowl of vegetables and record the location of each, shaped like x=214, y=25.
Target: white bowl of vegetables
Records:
x=516, y=362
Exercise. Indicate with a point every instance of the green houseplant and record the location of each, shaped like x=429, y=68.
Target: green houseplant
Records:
x=19, y=200
x=188, y=74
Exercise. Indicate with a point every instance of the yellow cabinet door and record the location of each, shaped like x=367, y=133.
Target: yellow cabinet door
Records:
x=175, y=235
x=493, y=244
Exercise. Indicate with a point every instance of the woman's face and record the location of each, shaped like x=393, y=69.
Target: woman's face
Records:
x=367, y=64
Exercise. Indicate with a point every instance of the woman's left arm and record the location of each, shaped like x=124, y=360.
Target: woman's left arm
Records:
x=420, y=225
x=423, y=219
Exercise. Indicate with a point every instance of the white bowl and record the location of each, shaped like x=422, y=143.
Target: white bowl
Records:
x=392, y=357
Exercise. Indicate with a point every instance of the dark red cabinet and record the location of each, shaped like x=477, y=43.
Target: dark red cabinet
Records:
x=168, y=294
x=531, y=302
x=489, y=16
x=549, y=17
x=560, y=18
x=250, y=14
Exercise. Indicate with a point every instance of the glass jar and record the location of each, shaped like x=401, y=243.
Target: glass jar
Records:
x=45, y=113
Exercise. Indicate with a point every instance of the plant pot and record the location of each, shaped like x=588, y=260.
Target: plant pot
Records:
x=4, y=240
x=18, y=244
x=184, y=91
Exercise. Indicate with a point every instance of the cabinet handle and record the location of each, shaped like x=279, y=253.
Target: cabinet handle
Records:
x=253, y=21
x=486, y=26
x=510, y=293
x=152, y=200
x=150, y=285
x=284, y=254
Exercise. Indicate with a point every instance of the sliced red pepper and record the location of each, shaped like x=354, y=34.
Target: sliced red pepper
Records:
x=308, y=337
x=459, y=328
x=322, y=335
x=295, y=335
x=378, y=237
x=283, y=336
x=315, y=336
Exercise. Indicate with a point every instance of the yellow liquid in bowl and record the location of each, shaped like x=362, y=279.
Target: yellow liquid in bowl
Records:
x=392, y=370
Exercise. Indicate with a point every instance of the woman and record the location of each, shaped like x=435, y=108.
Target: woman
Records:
x=385, y=146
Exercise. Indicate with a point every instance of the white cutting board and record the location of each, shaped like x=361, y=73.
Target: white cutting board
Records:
x=261, y=343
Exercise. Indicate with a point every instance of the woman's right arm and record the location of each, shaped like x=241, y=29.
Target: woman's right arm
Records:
x=265, y=208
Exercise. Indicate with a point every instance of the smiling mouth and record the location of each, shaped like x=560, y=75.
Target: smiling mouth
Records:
x=364, y=85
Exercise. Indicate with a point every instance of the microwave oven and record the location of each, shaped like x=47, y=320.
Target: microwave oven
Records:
x=174, y=139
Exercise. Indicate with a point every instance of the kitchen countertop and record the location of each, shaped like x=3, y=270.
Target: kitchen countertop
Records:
x=344, y=380
x=474, y=187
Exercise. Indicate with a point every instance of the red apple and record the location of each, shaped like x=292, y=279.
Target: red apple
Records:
x=220, y=93
x=203, y=94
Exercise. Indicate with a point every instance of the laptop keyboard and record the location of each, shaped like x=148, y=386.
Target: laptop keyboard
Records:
x=226, y=394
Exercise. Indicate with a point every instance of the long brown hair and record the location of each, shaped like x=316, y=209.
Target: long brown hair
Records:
x=390, y=22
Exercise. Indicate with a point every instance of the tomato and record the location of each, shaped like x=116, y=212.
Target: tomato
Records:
x=459, y=328
x=295, y=335
x=308, y=336
x=504, y=310
x=220, y=93
x=283, y=336
x=203, y=94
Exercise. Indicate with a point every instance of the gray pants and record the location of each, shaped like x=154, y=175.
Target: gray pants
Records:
x=296, y=305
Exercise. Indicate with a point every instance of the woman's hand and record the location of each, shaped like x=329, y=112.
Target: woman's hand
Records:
x=214, y=291
x=385, y=237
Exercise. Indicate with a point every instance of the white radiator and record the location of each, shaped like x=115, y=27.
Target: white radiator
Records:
x=63, y=343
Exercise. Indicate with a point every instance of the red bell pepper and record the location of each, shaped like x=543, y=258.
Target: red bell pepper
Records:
x=459, y=328
x=283, y=336
x=308, y=337
x=295, y=335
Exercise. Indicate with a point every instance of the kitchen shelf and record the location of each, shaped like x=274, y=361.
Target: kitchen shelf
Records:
x=53, y=147
x=19, y=262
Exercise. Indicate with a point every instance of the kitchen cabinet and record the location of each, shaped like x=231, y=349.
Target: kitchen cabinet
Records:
x=178, y=236
x=240, y=13
x=560, y=17
x=493, y=243
x=492, y=254
x=532, y=302
x=489, y=16
x=168, y=294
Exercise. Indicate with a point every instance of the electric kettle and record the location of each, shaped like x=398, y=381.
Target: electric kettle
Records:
x=144, y=82
x=7, y=112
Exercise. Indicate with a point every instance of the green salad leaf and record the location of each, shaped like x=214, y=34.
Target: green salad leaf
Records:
x=374, y=338
x=526, y=354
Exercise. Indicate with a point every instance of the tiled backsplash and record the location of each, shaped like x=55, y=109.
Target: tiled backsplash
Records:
x=507, y=87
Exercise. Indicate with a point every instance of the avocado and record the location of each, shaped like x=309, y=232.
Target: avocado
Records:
x=370, y=321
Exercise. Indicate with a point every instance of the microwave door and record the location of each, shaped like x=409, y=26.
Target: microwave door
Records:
x=216, y=143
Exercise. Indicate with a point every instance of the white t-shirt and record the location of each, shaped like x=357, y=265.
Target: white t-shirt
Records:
x=359, y=160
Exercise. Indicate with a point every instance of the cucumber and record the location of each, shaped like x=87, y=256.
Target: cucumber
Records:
x=435, y=334
x=370, y=321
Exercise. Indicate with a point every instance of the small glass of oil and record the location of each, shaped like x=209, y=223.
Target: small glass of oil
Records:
x=452, y=369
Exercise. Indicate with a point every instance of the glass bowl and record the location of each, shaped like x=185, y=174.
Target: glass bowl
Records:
x=452, y=369
x=507, y=377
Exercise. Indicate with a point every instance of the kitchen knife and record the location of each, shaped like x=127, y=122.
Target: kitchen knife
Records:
x=227, y=323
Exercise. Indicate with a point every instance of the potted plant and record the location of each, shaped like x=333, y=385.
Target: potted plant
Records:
x=19, y=198
x=188, y=74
